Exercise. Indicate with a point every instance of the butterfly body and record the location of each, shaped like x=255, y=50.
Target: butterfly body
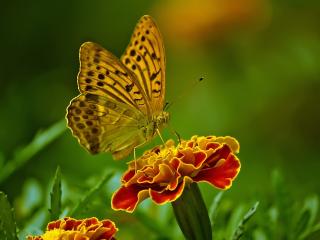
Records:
x=158, y=122
x=121, y=101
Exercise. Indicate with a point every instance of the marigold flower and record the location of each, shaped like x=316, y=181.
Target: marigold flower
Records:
x=163, y=172
x=84, y=229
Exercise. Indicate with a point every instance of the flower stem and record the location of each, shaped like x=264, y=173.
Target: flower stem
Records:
x=192, y=215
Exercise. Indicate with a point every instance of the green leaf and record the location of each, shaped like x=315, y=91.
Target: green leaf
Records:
x=192, y=215
x=236, y=213
x=213, y=210
x=8, y=228
x=241, y=226
x=88, y=197
x=39, y=142
x=307, y=217
x=55, y=196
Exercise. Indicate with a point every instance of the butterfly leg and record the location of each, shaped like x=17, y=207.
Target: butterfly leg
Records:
x=161, y=137
x=134, y=156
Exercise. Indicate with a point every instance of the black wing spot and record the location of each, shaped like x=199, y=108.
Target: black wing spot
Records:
x=100, y=84
x=154, y=75
x=129, y=87
x=92, y=106
x=101, y=76
x=138, y=58
x=154, y=56
x=88, y=80
x=132, y=52
x=94, y=148
x=89, y=123
x=138, y=99
x=143, y=38
x=81, y=126
x=92, y=97
x=107, y=72
x=90, y=73
x=95, y=130
x=127, y=61
x=88, y=88
x=89, y=112
x=117, y=72
x=133, y=67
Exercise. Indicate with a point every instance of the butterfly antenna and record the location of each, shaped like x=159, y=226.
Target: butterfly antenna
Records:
x=184, y=93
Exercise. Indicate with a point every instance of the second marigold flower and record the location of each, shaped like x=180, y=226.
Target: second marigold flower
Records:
x=163, y=172
x=73, y=229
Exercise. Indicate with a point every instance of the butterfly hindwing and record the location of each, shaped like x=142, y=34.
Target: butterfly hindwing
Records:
x=145, y=56
x=102, y=124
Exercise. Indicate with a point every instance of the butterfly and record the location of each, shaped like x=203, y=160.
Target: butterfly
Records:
x=121, y=102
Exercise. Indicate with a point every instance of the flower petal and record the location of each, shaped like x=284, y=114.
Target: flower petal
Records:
x=167, y=195
x=222, y=175
x=127, y=198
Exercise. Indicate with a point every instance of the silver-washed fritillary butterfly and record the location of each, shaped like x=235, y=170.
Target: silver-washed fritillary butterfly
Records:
x=121, y=101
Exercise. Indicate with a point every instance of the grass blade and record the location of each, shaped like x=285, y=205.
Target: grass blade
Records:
x=39, y=142
x=55, y=196
x=241, y=226
x=8, y=228
x=87, y=198
x=213, y=210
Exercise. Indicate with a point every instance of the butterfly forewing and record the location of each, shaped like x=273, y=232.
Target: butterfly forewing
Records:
x=103, y=74
x=145, y=56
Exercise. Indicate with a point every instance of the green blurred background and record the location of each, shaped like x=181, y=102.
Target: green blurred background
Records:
x=260, y=60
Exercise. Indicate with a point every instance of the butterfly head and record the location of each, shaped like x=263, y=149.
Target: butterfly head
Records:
x=162, y=119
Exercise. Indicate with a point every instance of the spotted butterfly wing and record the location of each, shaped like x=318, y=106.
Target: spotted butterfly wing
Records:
x=117, y=108
x=145, y=56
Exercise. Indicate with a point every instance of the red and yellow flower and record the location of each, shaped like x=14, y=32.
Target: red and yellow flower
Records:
x=163, y=172
x=72, y=229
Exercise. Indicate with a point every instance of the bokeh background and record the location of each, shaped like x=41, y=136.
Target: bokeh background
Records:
x=260, y=60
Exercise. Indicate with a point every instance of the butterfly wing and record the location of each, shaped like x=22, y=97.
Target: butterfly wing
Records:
x=102, y=73
x=112, y=108
x=102, y=124
x=145, y=57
